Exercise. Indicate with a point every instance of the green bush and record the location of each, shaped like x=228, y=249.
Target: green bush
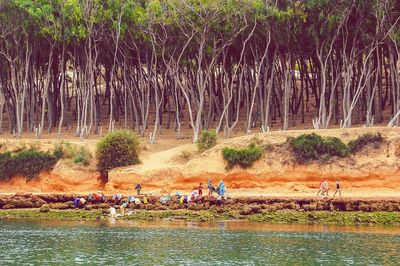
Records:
x=207, y=140
x=83, y=156
x=26, y=163
x=120, y=148
x=78, y=154
x=366, y=139
x=335, y=147
x=245, y=157
x=6, y=165
x=58, y=151
x=29, y=163
x=309, y=147
x=65, y=150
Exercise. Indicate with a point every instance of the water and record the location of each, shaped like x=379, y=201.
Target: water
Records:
x=185, y=243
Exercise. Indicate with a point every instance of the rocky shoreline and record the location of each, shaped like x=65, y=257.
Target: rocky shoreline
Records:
x=341, y=211
x=244, y=204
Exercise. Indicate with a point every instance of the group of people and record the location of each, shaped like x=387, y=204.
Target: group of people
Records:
x=324, y=188
x=118, y=200
x=220, y=190
x=197, y=195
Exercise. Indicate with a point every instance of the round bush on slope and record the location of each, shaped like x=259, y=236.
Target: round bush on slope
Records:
x=120, y=148
x=207, y=140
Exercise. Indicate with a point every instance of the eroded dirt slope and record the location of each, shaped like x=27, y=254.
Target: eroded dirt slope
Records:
x=174, y=165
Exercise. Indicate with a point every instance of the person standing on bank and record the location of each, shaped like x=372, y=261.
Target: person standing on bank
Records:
x=337, y=188
x=321, y=188
x=138, y=188
x=326, y=187
x=210, y=188
x=201, y=190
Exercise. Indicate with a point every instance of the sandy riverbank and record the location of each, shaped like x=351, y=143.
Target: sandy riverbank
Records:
x=175, y=166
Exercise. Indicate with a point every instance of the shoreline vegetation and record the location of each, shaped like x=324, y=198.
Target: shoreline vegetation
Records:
x=277, y=217
x=329, y=211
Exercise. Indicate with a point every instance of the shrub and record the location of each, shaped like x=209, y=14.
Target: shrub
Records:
x=207, y=140
x=359, y=143
x=120, y=148
x=78, y=154
x=65, y=150
x=58, y=151
x=334, y=147
x=83, y=156
x=27, y=163
x=186, y=155
x=6, y=165
x=308, y=147
x=245, y=157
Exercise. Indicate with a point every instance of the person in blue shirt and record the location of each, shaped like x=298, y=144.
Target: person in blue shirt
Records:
x=222, y=188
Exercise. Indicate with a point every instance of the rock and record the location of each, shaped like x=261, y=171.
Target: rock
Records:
x=250, y=210
x=60, y=206
x=88, y=207
x=20, y=203
x=45, y=208
x=38, y=202
x=104, y=205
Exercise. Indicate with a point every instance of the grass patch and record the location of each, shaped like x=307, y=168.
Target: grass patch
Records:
x=76, y=153
x=52, y=214
x=207, y=140
x=83, y=156
x=329, y=218
x=185, y=155
x=245, y=157
x=366, y=139
x=277, y=217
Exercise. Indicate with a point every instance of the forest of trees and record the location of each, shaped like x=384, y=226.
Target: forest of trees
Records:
x=228, y=65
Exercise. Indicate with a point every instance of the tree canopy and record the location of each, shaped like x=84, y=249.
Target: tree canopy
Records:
x=223, y=64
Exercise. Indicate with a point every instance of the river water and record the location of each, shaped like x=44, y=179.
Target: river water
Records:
x=25, y=242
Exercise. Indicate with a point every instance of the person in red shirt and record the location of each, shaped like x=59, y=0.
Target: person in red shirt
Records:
x=201, y=190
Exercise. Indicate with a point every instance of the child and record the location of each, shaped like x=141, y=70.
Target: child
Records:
x=201, y=190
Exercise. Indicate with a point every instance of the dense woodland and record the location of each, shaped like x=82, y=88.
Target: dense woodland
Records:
x=228, y=65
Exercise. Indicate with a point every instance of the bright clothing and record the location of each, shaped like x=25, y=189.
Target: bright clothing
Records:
x=222, y=188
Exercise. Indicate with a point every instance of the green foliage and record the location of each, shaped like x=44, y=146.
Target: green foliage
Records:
x=120, y=148
x=27, y=163
x=245, y=157
x=58, y=151
x=309, y=147
x=6, y=165
x=78, y=154
x=83, y=156
x=335, y=147
x=207, y=140
x=366, y=139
